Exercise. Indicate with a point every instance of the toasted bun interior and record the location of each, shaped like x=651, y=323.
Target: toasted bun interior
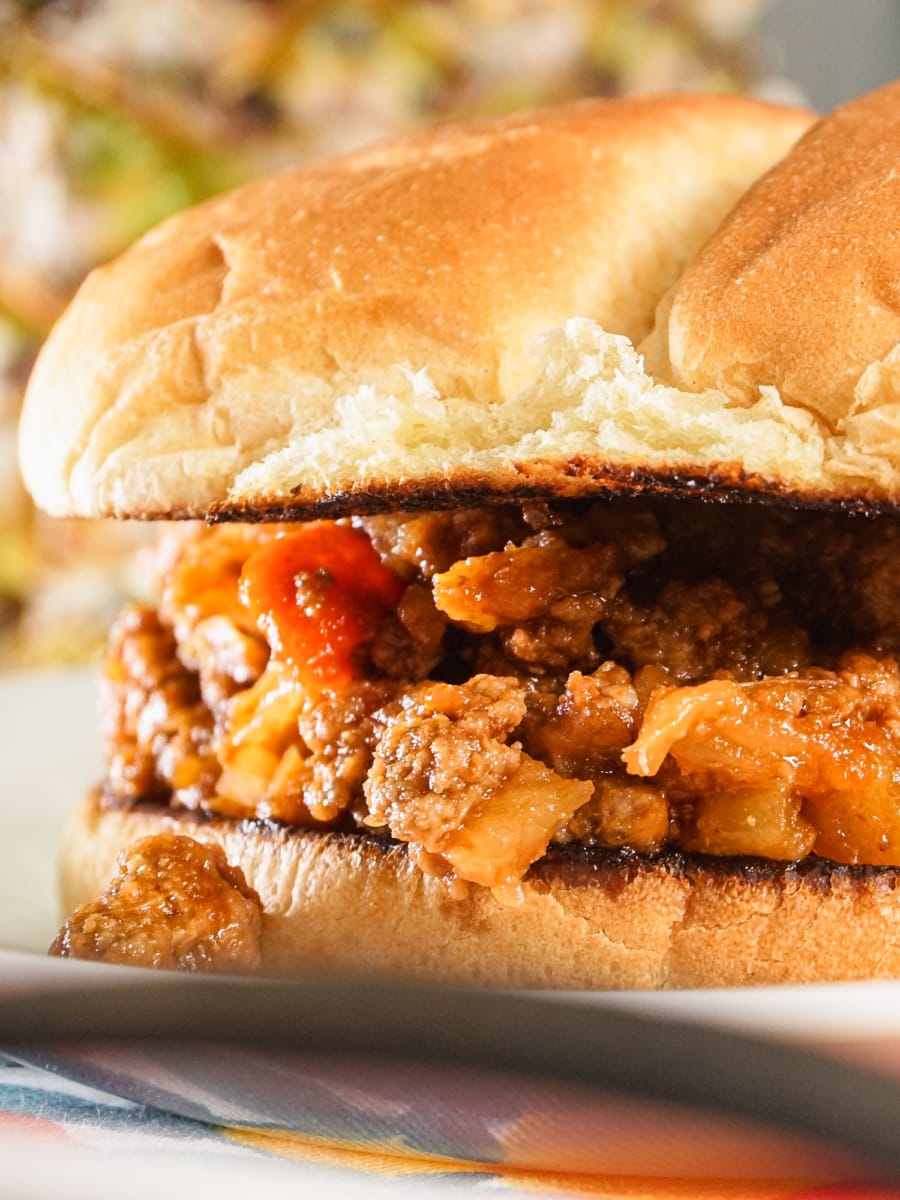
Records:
x=442, y=314
x=352, y=903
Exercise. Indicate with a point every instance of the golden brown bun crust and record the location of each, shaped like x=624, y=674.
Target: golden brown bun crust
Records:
x=799, y=287
x=243, y=327
x=350, y=903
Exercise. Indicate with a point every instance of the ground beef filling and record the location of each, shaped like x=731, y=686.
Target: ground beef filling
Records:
x=481, y=683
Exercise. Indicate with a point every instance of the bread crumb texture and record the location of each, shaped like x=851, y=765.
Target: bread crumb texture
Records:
x=591, y=402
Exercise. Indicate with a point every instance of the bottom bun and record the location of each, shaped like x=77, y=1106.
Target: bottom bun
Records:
x=588, y=918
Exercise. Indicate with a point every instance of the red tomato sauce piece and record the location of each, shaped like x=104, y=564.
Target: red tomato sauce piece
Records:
x=317, y=595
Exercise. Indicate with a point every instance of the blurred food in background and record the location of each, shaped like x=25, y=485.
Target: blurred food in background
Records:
x=114, y=113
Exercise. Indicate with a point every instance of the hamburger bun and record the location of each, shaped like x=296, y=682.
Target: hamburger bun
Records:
x=367, y=331
x=453, y=318
x=355, y=904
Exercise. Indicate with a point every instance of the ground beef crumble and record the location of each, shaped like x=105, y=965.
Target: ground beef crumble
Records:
x=532, y=648
x=173, y=903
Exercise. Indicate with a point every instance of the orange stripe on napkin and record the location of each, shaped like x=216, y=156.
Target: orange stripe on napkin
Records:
x=388, y=1161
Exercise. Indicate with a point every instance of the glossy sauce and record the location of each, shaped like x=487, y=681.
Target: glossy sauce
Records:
x=316, y=596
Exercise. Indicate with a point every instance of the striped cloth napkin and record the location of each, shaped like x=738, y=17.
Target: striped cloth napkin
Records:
x=99, y=1122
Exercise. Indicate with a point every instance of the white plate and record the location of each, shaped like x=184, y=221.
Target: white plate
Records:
x=51, y=754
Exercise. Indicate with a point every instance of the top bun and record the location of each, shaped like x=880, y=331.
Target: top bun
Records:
x=445, y=317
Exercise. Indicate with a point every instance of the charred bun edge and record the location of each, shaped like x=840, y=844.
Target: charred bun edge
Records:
x=724, y=483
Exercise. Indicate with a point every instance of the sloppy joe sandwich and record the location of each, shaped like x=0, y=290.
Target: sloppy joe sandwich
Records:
x=530, y=617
